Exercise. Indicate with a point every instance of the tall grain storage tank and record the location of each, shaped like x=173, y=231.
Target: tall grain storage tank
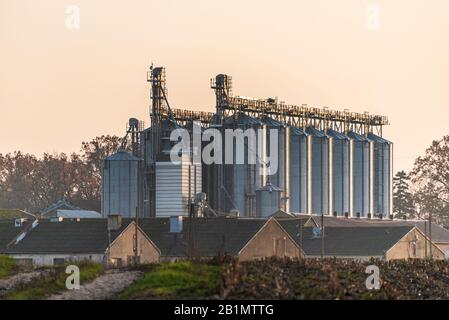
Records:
x=176, y=186
x=339, y=146
x=319, y=170
x=361, y=193
x=383, y=177
x=121, y=185
x=298, y=170
x=242, y=180
x=282, y=176
x=268, y=199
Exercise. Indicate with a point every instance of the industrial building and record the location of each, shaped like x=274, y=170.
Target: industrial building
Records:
x=335, y=163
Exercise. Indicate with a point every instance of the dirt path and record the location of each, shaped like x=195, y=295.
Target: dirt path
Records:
x=104, y=287
x=20, y=279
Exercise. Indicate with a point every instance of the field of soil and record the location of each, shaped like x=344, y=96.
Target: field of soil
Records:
x=331, y=279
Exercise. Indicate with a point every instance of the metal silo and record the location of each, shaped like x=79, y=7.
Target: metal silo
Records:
x=319, y=171
x=269, y=200
x=360, y=167
x=120, y=185
x=340, y=172
x=282, y=176
x=382, y=175
x=298, y=170
x=240, y=181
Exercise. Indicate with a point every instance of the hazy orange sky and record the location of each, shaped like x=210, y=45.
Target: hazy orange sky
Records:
x=59, y=86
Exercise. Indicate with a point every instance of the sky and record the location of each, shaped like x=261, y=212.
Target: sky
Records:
x=73, y=70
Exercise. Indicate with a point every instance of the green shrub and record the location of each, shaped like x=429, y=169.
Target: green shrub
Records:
x=7, y=266
x=181, y=280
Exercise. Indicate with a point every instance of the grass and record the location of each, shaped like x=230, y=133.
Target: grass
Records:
x=12, y=214
x=7, y=266
x=180, y=280
x=53, y=283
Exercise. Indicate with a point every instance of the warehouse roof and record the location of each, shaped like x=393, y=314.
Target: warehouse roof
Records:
x=8, y=232
x=73, y=214
x=60, y=204
x=348, y=241
x=84, y=236
x=439, y=234
x=211, y=236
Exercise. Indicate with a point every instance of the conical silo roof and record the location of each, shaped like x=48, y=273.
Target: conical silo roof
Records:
x=337, y=135
x=315, y=132
x=377, y=138
x=122, y=155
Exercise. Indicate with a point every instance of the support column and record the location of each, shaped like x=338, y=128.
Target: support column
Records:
x=309, y=174
x=371, y=178
x=351, y=178
x=331, y=176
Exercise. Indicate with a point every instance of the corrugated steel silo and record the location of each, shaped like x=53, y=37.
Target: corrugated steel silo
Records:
x=282, y=176
x=319, y=167
x=298, y=170
x=382, y=175
x=340, y=193
x=361, y=158
x=269, y=200
x=176, y=186
x=242, y=180
x=120, y=185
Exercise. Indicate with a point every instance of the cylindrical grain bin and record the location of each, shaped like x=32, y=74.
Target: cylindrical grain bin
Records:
x=319, y=167
x=120, y=185
x=298, y=170
x=383, y=177
x=361, y=193
x=268, y=199
x=340, y=173
x=281, y=177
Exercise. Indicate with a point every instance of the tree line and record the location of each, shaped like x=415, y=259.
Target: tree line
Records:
x=30, y=183
x=425, y=189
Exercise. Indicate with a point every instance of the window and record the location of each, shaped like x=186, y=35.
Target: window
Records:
x=58, y=261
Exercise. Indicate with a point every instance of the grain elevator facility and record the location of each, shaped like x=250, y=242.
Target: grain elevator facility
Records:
x=328, y=162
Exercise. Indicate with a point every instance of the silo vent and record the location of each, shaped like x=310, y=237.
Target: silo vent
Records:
x=175, y=224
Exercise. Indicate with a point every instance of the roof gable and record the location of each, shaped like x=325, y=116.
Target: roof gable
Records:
x=208, y=236
x=352, y=241
x=84, y=236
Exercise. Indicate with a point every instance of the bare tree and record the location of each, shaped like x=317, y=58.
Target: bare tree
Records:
x=93, y=153
x=27, y=182
x=431, y=178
